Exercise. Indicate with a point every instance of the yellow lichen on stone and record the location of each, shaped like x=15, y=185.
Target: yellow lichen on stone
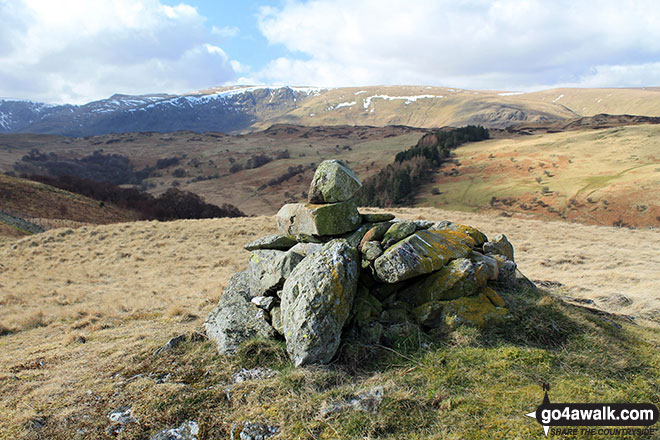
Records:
x=493, y=297
x=477, y=310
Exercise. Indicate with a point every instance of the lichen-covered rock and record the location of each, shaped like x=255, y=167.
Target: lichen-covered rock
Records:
x=423, y=224
x=269, y=268
x=316, y=302
x=377, y=218
x=371, y=250
x=478, y=236
x=421, y=253
x=455, y=280
x=354, y=238
x=240, y=283
x=398, y=231
x=305, y=249
x=376, y=232
x=263, y=302
x=253, y=431
x=499, y=245
x=493, y=297
x=333, y=182
x=506, y=270
x=488, y=263
x=234, y=321
x=186, y=431
x=331, y=219
x=280, y=242
x=477, y=310
x=366, y=307
x=276, y=319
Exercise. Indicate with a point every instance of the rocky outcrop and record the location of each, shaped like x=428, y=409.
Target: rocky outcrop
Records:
x=333, y=273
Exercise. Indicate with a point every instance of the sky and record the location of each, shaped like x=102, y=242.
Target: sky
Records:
x=76, y=51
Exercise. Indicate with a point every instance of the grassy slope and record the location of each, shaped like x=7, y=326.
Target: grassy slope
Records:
x=50, y=207
x=594, y=176
x=589, y=102
x=131, y=287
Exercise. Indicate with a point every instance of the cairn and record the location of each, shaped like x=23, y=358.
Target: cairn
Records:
x=334, y=273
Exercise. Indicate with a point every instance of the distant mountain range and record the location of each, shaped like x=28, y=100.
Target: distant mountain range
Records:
x=247, y=108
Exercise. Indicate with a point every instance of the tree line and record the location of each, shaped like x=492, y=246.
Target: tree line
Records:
x=396, y=184
x=172, y=205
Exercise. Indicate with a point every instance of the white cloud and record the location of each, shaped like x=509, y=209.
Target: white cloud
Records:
x=225, y=31
x=505, y=44
x=78, y=50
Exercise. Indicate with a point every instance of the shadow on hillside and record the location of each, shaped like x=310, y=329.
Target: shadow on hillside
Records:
x=537, y=320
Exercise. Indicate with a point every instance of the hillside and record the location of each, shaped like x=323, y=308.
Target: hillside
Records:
x=84, y=310
x=607, y=176
x=241, y=109
x=202, y=163
x=596, y=170
x=47, y=207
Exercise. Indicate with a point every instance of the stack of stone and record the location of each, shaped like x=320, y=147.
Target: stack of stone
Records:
x=334, y=273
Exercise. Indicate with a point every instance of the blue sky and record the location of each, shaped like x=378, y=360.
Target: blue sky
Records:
x=76, y=51
x=240, y=17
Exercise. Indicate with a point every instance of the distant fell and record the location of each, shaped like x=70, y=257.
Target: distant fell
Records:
x=239, y=109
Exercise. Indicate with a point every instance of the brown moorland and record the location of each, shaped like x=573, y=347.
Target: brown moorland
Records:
x=82, y=311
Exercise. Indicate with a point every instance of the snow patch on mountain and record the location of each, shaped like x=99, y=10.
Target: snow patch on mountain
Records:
x=340, y=105
x=407, y=99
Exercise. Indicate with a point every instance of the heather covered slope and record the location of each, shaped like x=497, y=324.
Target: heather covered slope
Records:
x=84, y=310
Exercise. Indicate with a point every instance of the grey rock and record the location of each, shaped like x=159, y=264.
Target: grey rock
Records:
x=188, y=430
x=263, y=302
x=377, y=218
x=487, y=263
x=269, y=268
x=354, y=238
x=119, y=418
x=122, y=415
x=276, y=319
x=333, y=182
x=331, y=219
x=171, y=344
x=367, y=401
x=371, y=250
x=423, y=224
x=240, y=283
x=398, y=231
x=234, y=321
x=499, y=245
x=316, y=301
x=280, y=242
x=258, y=373
x=421, y=253
x=253, y=431
x=305, y=249
x=376, y=232
x=506, y=271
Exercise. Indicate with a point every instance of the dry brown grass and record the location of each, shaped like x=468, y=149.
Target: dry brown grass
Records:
x=84, y=306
